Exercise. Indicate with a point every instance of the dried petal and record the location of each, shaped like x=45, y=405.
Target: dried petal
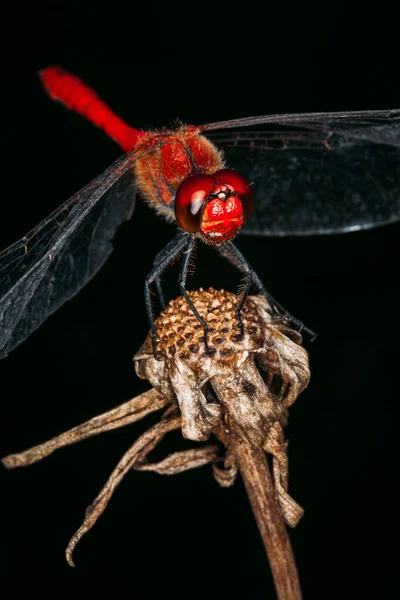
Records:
x=181, y=461
x=126, y=413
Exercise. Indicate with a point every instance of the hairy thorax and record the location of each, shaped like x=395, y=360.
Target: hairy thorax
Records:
x=173, y=156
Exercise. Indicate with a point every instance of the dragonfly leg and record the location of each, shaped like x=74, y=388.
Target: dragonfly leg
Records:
x=190, y=245
x=160, y=293
x=165, y=257
x=229, y=251
x=158, y=259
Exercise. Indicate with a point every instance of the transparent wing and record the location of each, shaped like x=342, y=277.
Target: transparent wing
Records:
x=343, y=119
x=317, y=173
x=60, y=255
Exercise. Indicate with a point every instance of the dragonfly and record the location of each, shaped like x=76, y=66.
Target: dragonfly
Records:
x=272, y=175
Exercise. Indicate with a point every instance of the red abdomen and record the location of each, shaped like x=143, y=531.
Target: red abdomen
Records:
x=172, y=155
x=77, y=96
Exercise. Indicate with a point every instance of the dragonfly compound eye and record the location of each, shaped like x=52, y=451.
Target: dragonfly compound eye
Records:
x=189, y=200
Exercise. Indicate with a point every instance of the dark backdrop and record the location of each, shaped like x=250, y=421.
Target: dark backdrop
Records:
x=184, y=535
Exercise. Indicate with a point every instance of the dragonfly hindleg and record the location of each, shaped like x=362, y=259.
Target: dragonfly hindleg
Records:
x=235, y=257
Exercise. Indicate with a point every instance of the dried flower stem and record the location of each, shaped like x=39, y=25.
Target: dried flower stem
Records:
x=260, y=489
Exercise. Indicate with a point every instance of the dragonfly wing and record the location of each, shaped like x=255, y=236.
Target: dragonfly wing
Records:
x=327, y=176
x=343, y=120
x=58, y=257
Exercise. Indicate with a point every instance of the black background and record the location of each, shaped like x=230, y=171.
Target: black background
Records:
x=184, y=535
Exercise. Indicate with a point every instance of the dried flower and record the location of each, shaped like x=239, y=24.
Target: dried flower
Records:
x=247, y=380
x=237, y=392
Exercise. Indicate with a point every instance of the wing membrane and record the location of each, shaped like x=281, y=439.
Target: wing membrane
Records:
x=318, y=174
x=345, y=119
x=57, y=258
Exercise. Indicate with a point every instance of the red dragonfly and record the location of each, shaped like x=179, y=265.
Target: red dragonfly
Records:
x=316, y=173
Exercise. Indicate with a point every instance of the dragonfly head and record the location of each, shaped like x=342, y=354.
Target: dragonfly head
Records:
x=214, y=206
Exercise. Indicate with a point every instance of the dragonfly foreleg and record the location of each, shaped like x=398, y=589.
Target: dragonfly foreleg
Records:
x=161, y=262
x=190, y=245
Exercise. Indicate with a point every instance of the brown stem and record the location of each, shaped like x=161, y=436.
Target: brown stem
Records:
x=257, y=479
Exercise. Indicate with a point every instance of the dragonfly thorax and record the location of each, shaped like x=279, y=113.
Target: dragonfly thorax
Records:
x=171, y=158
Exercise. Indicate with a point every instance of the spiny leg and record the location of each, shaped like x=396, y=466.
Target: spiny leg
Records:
x=235, y=257
x=166, y=256
x=160, y=293
x=229, y=251
x=190, y=245
x=159, y=258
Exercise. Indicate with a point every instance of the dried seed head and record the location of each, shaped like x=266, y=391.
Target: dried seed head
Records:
x=181, y=335
x=250, y=378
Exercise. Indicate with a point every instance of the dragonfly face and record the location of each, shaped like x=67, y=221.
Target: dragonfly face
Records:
x=214, y=206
